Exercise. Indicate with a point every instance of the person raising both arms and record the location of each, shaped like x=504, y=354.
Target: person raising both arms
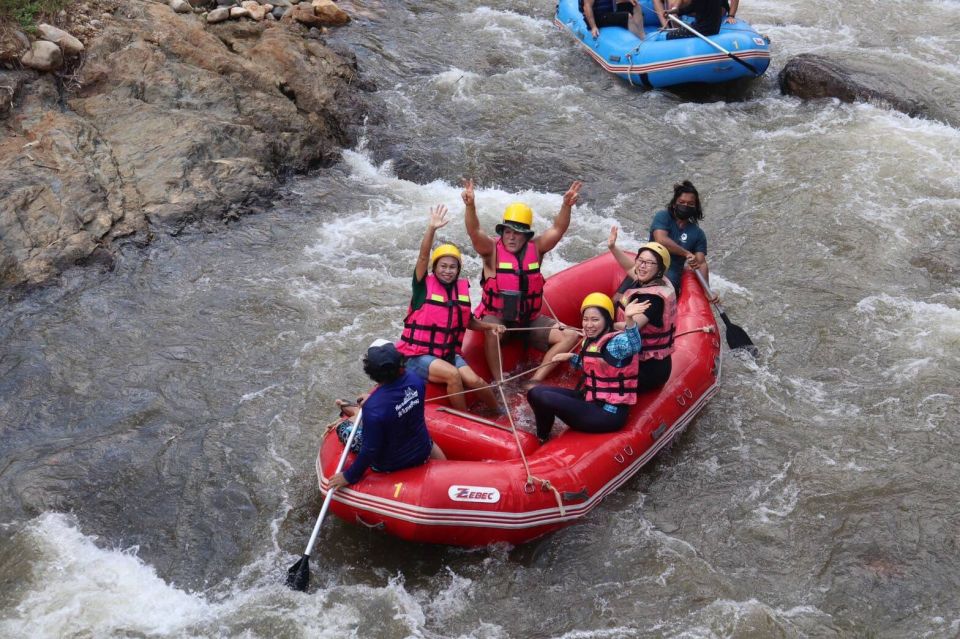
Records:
x=645, y=282
x=511, y=279
x=438, y=318
x=609, y=361
x=611, y=13
x=676, y=228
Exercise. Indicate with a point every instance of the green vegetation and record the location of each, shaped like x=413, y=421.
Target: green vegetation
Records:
x=27, y=13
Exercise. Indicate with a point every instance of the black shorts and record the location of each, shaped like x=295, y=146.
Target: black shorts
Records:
x=618, y=18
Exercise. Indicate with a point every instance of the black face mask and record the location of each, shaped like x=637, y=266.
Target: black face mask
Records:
x=684, y=212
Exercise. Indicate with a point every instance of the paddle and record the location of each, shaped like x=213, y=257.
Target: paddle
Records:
x=736, y=336
x=298, y=575
x=713, y=44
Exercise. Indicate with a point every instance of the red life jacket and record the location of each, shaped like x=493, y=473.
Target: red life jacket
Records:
x=438, y=326
x=657, y=340
x=605, y=382
x=515, y=293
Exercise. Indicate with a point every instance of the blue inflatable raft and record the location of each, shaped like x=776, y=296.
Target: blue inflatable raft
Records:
x=738, y=51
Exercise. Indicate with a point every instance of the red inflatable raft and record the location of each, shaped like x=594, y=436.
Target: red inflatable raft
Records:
x=487, y=491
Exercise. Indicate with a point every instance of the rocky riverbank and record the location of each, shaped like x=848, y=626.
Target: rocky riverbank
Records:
x=165, y=117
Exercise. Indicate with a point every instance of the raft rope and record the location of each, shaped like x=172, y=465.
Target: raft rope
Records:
x=528, y=487
x=702, y=329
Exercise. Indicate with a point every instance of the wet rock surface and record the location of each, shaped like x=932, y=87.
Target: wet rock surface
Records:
x=163, y=122
x=809, y=77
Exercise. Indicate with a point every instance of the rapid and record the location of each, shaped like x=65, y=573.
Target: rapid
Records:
x=160, y=422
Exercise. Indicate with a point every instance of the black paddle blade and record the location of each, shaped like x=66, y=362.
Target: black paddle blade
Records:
x=738, y=338
x=298, y=575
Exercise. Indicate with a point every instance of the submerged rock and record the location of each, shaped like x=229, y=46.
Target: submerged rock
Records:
x=809, y=76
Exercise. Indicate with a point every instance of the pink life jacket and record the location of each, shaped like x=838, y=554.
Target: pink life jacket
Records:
x=438, y=326
x=605, y=382
x=515, y=293
x=657, y=340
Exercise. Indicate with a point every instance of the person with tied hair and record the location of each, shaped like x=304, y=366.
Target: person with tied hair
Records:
x=676, y=228
x=609, y=361
x=393, y=434
x=438, y=318
x=645, y=282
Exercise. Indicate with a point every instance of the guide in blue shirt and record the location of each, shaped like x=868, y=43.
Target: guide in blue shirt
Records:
x=394, y=432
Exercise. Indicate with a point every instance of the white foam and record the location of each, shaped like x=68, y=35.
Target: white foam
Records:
x=80, y=589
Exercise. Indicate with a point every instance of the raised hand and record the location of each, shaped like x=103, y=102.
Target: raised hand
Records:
x=467, y=193
x=572, y=196
x=635, y=308
x=612, y=240
x=438, y=216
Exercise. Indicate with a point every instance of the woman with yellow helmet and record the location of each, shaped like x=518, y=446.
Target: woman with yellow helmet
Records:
x=438, y=318
x=646, y=281
x=609, y=360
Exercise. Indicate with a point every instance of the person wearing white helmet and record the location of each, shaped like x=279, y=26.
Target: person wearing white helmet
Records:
x=438, y=318
x=511, y=280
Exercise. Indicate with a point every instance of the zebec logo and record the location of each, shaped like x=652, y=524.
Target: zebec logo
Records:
x=480, y=494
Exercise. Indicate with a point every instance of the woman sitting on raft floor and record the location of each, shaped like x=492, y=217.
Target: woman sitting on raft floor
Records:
x=610, y=363
x=438, y=318
x=645, y=282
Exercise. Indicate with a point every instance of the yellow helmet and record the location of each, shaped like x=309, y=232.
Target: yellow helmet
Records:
x=600, y=301
x=660, y=250
x=443, y=251
x=519, y=217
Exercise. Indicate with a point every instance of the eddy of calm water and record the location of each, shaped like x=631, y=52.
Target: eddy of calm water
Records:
x=160, y=422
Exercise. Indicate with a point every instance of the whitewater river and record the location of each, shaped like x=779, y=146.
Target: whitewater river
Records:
x=160, y=422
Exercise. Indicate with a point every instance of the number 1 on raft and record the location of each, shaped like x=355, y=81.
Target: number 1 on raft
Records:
x=399, y=486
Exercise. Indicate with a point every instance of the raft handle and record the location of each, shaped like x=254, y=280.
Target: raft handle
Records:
x=619, y=458
x=628, y=449
x=681, y=400
x=688, y=393
x=659, y=432
x=580, y=496
x=377, y=526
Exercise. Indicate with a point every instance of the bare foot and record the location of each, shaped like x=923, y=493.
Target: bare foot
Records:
x=347, y=409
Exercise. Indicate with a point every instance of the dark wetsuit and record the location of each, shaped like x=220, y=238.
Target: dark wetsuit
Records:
x=606, y=13
x=709, y=16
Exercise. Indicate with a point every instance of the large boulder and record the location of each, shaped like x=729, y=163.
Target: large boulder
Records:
x=810, y=76
x=329, y=13
x=175, y=123
x=13, y=44
x=43, y=56
x=69, y=44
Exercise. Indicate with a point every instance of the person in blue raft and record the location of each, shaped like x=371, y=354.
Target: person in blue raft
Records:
x=610, y=13
x=393, y=435
x=708, y=16
x=610, y=364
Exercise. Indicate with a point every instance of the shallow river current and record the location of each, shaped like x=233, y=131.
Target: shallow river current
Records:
x=160, y=422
